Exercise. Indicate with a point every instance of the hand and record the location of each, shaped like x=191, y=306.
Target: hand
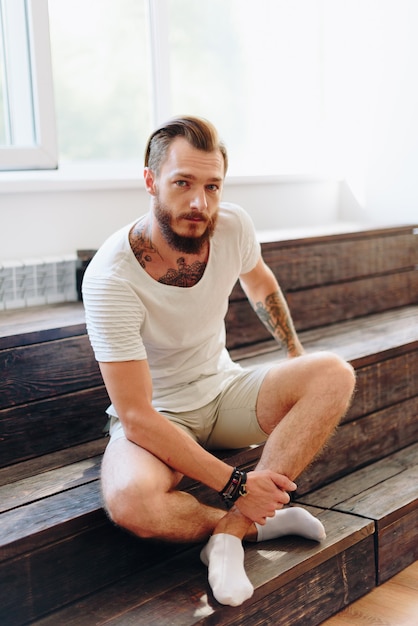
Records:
x=267, y=492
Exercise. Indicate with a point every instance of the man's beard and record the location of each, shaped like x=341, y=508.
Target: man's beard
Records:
x=182, y=243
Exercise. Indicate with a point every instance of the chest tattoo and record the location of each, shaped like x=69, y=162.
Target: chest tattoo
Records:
x=185, y=275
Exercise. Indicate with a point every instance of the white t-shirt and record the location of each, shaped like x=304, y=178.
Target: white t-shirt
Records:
x=179, y=330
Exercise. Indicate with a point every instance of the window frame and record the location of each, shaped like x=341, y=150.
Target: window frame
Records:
x=28, y=78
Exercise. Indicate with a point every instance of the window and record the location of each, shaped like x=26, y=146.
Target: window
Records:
x=254, y=70
x=101, y=70
x=121, y=67
x=27, y=133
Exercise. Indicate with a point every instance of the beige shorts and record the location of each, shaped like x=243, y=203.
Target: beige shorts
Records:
x=228, y=421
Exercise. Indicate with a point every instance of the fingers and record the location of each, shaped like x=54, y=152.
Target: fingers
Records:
x=283, y=482
x=267, y=492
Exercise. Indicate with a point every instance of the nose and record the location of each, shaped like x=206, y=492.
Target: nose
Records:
x=199, y=201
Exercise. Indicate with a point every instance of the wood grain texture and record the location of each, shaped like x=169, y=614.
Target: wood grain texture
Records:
x=393, y=604
x=46, y=370
x=42, y=427
x=30, y=325
x=354, y=293
x=177, y=592
x=319, y=306
x=387, y=493
x=361, y=442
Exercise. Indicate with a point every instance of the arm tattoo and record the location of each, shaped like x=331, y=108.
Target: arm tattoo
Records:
x=276, y=318
x=185, y=275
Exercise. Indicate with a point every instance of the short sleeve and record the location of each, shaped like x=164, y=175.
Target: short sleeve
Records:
x=250, y=246
x=114, y=315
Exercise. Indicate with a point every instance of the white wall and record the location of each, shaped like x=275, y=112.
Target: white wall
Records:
x=370, y=64
x=56, y=217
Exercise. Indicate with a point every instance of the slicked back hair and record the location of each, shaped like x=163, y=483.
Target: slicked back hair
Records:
x=200, y=134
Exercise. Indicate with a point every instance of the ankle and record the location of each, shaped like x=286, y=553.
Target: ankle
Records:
x=234, y=523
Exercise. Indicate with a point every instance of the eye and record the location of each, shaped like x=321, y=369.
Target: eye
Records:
x=212, y=187
x=181, y=183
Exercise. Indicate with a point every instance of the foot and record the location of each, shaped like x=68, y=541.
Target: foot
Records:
x=291, y=521
x=224, y=556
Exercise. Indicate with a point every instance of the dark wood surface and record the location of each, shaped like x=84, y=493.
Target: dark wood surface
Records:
x=56, y=544
x=387, y=493
x=38, y=428
x=185, y=597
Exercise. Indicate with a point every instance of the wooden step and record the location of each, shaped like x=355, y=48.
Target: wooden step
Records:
x=387, y=493
x=328, y=279
x=52, y=526
x=370, y=518
x=294, y=579
x=56, y=544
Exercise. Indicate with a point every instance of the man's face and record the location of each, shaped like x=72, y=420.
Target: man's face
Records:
x=187, y=194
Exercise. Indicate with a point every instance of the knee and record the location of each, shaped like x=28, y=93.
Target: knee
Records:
x=132, y=508
x=334, y=376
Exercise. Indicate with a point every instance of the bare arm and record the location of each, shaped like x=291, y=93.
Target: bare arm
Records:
x=263, y=291
x=129, y=386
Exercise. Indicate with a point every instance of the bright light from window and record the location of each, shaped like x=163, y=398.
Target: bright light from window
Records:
x=101, y=70
x=255, y=71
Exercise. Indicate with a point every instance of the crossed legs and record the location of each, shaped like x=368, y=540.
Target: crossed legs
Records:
x=300, y=403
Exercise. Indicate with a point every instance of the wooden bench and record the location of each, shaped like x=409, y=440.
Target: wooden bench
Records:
x=355, y=293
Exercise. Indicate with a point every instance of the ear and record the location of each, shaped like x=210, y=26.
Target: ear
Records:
x=150, y=182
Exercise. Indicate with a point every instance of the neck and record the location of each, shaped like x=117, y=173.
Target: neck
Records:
x=162, y=261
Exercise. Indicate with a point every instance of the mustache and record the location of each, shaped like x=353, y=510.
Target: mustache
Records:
x=194, y=215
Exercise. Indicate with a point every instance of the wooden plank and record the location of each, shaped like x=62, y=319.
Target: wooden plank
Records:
x=393, y=604
x=314, y=264
x=22, y=327
x=397, y=546
x=52, y=519
x=361, y=341
x=385, y=492
x=361, y=442
x=38, y=487
x=331, y=586
x=57, y=573
x=384, y=383
x=360, y=481
x=317, y=594
x=299, y=264
x=328, y=304
x=47, y=369
x=388, y=501
x=176, y=591
x=42, y=427
x=332, y=303
x=54, y=460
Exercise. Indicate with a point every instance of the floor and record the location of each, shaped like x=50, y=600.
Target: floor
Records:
x=393, y=604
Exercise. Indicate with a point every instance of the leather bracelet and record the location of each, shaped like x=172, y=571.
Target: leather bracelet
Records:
x=235, y=487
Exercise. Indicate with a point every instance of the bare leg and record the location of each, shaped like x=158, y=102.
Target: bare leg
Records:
x=140, y=495
x=300, y=404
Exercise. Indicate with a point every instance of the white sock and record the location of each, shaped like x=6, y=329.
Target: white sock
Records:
x=291, y=521
x=224, y=556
